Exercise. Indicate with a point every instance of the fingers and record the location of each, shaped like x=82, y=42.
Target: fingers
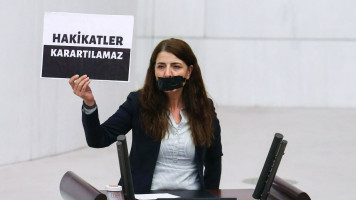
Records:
x=85, y=82
x=78, y=83
x=72, y=79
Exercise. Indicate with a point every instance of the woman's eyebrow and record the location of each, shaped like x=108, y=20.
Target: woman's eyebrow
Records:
x=173, y=63
x=176, y=63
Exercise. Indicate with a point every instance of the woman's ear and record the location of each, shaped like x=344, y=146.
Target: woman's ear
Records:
x=190, y=70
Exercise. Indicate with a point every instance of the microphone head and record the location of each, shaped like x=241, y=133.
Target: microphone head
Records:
x=121, y=138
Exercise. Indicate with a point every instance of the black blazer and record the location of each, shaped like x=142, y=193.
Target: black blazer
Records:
x=144, y=149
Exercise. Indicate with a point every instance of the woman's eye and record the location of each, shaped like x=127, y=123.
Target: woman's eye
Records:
x=159, y=66
x=177, y=66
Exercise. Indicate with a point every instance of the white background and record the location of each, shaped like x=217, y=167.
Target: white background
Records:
x=88, y=24
x=279, y=53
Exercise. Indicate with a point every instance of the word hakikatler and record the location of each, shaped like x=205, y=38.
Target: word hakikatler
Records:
x=87, y=39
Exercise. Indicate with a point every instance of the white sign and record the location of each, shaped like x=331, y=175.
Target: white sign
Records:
x=96, y=45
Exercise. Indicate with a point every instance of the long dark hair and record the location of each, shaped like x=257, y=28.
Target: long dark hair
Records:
x=154, y=103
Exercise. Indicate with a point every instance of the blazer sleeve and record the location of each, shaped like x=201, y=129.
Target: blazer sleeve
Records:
x=212, y=172
x=102, y=135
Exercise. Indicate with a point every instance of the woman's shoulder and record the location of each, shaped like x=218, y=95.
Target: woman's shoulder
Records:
x=132, y=103
x=211, y=103
x=134, y=95
x=134, y=98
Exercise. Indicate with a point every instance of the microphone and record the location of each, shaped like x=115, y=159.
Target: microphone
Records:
x=125, y=168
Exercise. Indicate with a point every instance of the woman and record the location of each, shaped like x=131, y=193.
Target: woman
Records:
x=175, y=132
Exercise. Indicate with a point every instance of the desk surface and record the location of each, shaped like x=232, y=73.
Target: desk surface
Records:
x=239, y=194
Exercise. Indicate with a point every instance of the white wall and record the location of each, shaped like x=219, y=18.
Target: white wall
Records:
x=41, y=117
x=279, y=53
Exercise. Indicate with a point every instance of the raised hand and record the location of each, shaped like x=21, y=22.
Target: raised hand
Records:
x=80, y=86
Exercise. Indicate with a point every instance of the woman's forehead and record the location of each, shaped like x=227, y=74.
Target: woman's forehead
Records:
x=167, y=57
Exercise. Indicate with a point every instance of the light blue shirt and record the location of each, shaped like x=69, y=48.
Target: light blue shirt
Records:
x=175, y=167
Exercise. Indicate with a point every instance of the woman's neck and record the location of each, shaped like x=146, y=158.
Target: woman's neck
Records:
x=175, y=99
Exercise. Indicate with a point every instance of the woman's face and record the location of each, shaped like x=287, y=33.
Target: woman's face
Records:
x=168, y=65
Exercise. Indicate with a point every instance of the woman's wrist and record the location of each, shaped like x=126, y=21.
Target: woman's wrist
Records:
x=89, y=104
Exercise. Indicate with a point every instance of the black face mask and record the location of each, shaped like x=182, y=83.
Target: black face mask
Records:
x=167, y=84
